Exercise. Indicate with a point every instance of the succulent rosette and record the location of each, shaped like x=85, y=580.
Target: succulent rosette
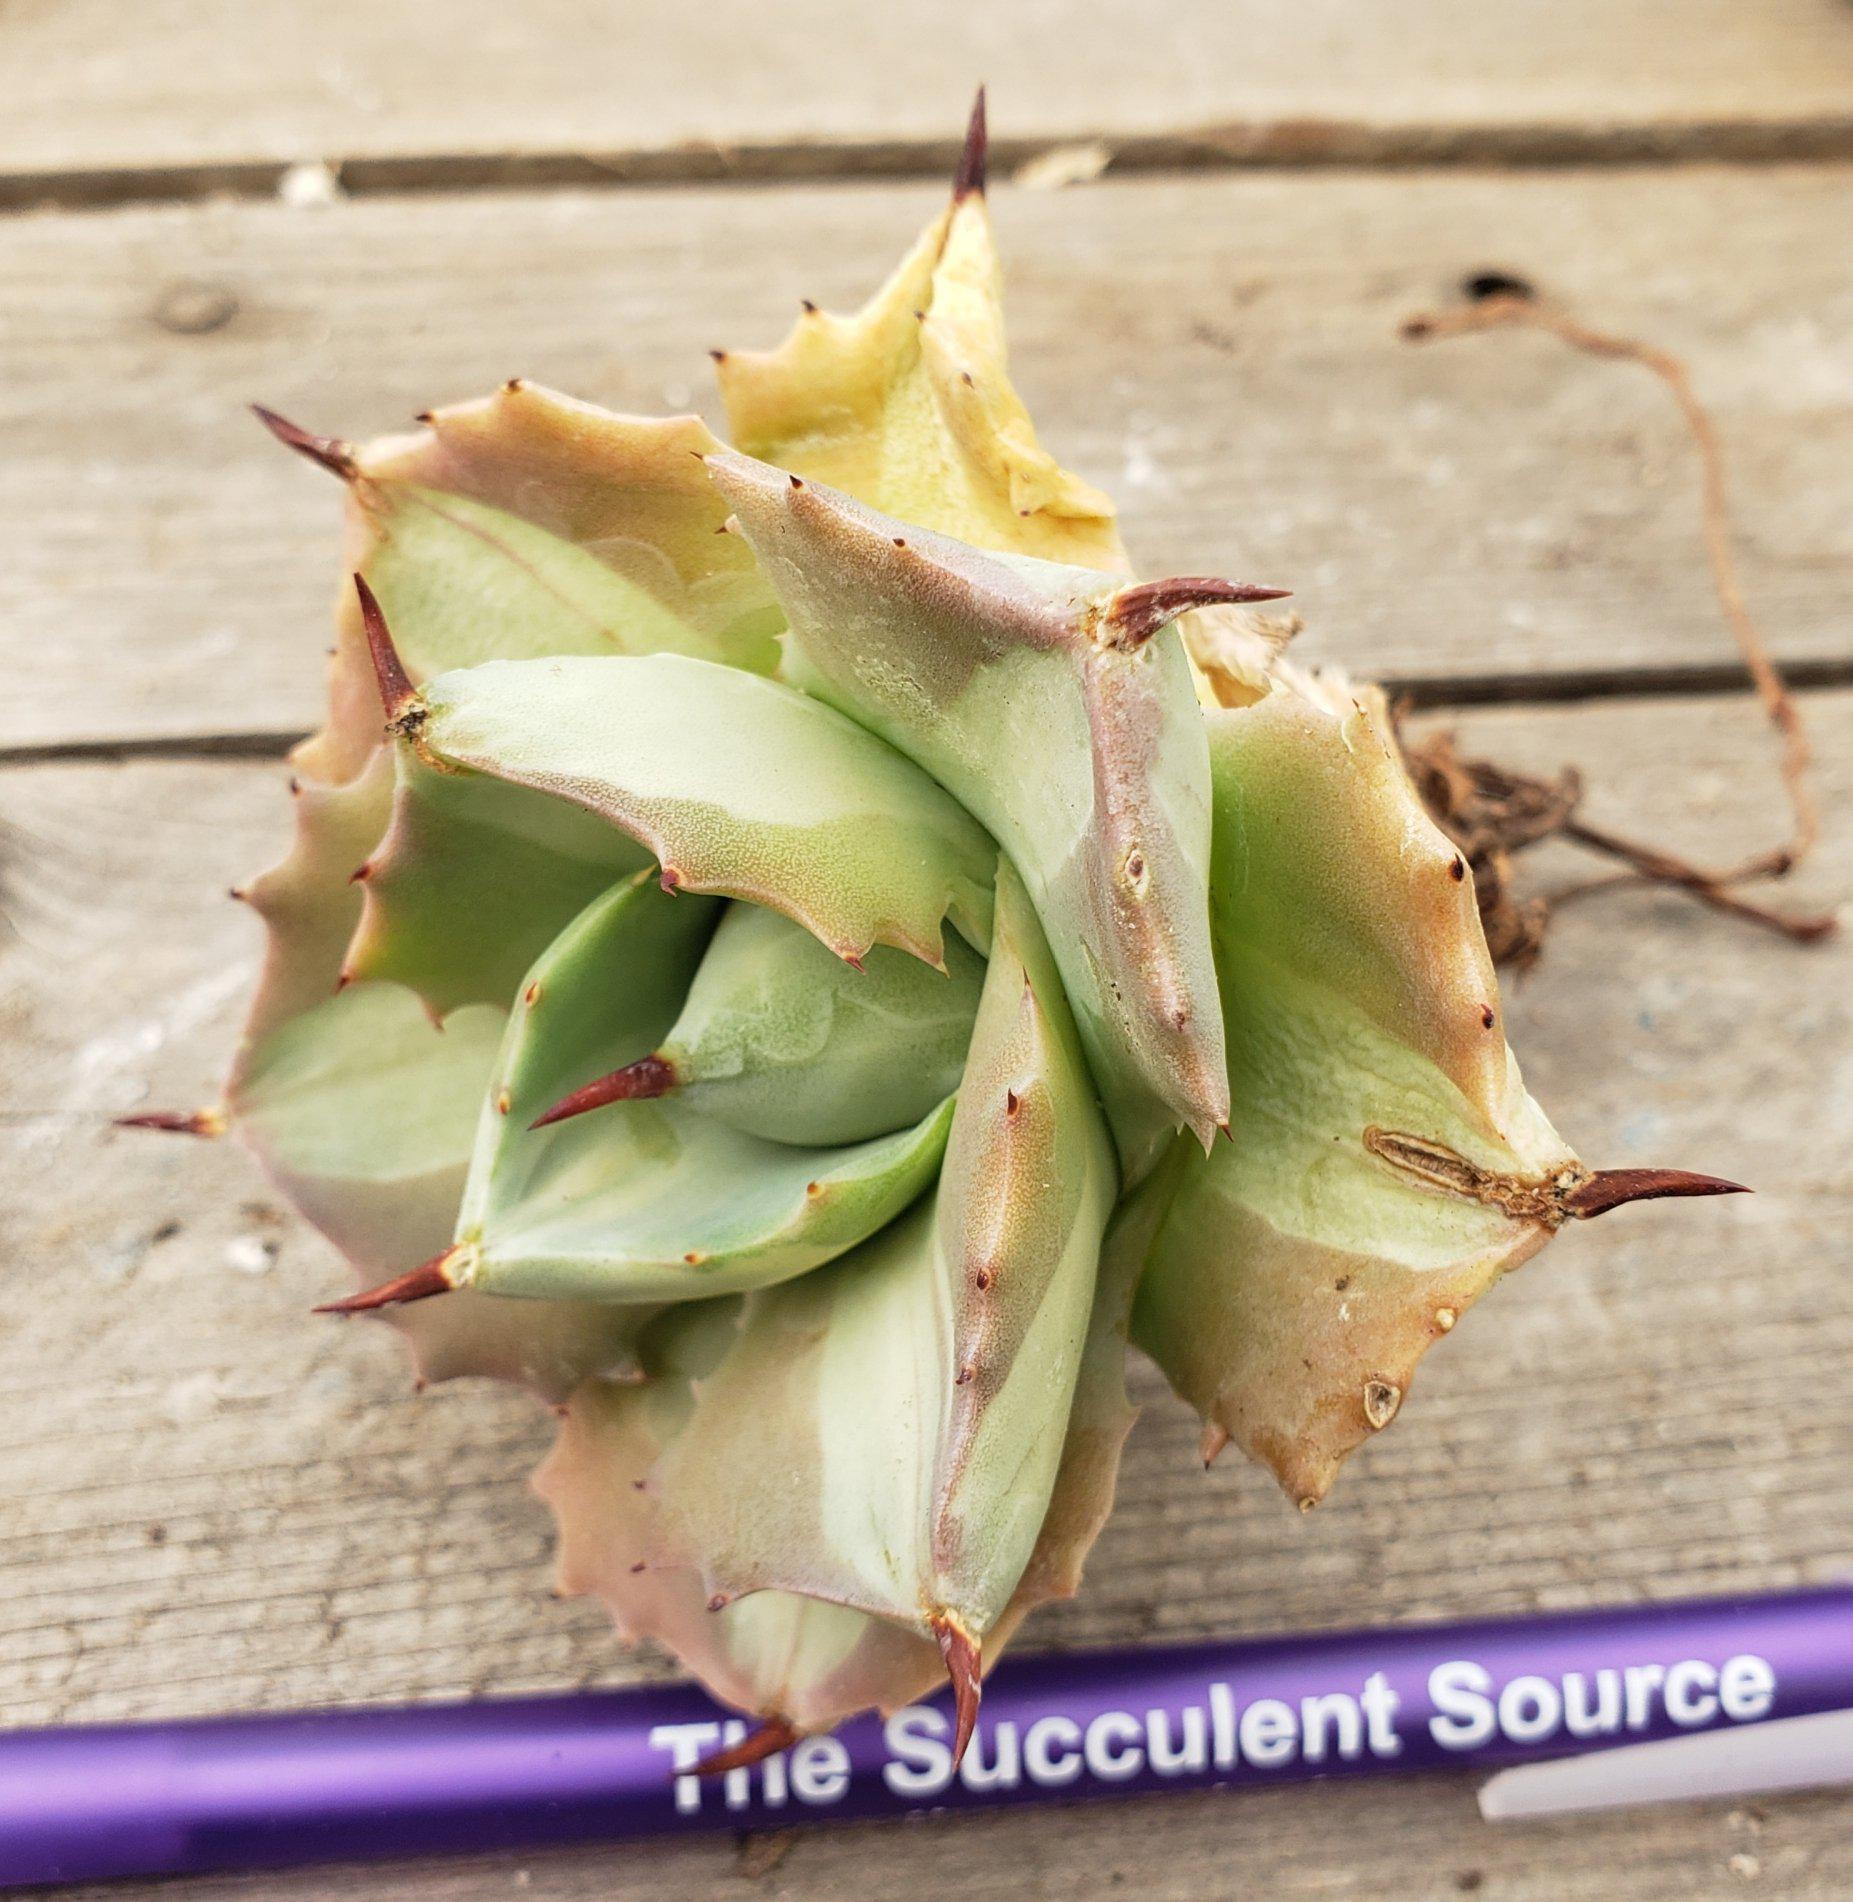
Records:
x=787, y=954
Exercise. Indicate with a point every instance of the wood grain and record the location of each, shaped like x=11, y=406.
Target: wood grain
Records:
x=201, y=95
x=214, y=1502
x=1220, y=352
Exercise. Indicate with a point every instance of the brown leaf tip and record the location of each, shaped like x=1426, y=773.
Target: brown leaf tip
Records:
x=396, y=690
x=327, y=452
x=418, y=1284
x=199, y=1122
x=969, y=180
x=1612, y=1188
x=636, y=1082
x=774, y=1735
x=1135, y=614
x=965, y=1668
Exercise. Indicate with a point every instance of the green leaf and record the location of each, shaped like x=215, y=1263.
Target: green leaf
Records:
x=804, y=1660
x=651, y=1201
x=1299, y=1272
x=526, y=524
x=775, y=1653
x=738, y=785
x=363, y=1112
x=960, y=1328
x=474, y=878
x=781, y=1039
x=1059, y=707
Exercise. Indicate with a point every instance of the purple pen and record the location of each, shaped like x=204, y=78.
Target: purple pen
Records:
x=247, y=1792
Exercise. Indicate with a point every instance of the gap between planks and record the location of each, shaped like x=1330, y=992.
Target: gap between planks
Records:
x=1288, y=144
x=1416, y=693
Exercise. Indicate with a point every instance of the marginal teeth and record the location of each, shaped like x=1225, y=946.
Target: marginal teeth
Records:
x=1381, y=1399
x=439, y=1275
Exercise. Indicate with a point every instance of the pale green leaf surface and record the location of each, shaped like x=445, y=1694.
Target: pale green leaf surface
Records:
x=960, y=1328
x=474, y=878
x=363, y=1113
x=1297, y=1276
x=651, y=1201
x=777, y=1653
x=738, y=785
x=781, y=1039
x=773, y=1653
x=527, y=523
x=1083, y=755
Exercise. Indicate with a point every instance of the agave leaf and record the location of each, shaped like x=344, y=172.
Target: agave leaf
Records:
x=780, y=1039
x=474, y=878
x=1100, y=1415
x=789, y=1658
x=736, y=784
x=798, y=1660
x=908, y=404
x=525, y=524
x=1302, y=1269
x=549, y=1347
x=1023, y=1203
x=650, y=1201
x=960, y=1328
x=363, y=1112
x=1059, y=707
x=308, y=902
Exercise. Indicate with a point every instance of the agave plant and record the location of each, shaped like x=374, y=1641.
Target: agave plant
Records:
x=788, y=955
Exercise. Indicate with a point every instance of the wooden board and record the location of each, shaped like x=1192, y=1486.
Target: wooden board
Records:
x=215, y=1502
x=209, y=1501
x=201, y=95
x=1220, y=352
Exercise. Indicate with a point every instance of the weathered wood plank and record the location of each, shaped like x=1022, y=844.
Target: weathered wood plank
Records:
x=188, y=88
x=213, y=1502
x=1221, y=352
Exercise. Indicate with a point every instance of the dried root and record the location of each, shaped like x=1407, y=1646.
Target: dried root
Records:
x=1493, y=814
